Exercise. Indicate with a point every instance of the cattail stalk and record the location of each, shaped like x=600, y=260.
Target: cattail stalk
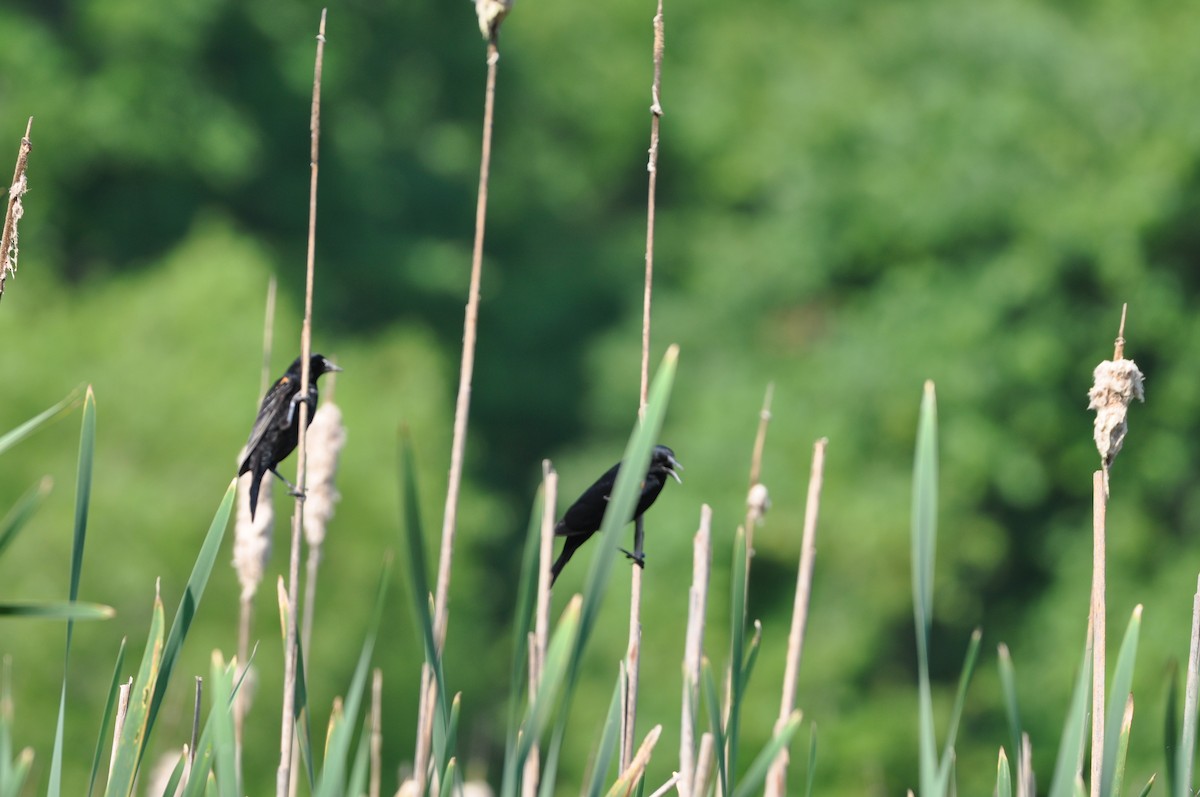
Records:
x=287, y=730
x=693, y=650
x=9, y=238
x=633, y=653
x=1116, y=383
x=777, y=777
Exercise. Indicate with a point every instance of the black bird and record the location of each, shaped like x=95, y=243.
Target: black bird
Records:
x=582, y=519
x=276, y=429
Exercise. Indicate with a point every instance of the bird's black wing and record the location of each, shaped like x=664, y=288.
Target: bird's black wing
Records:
x=584, y=516
x=274, y=409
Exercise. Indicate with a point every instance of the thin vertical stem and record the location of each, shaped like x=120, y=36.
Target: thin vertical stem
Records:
x=633, y=654
x=693, y=650
x=539, y=639
x=1099, y=501
x=462, y=410
x=777, y=777
x=376, y=732
x=287, y=731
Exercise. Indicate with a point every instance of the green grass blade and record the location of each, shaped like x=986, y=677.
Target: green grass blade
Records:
x=357, y=784
x=1145, y=792
x=757, y=773
x=57, y=610
x=558, y=656
x=812, y=761
x=19, y=773
x=1003, y=776
x=220, y=690
x=110, y=703
x=1008, y=685
x=19, y=515
x=418, y=579
x=333, y=773
x=1123, y=747
x=522, y=623
x=189, y=603
x=960, y=700
x=176, y=776
x=608, y=739
x=737, y=633
x=1122, y=685
x=712, y=704
x=135, y=730
x=1171, y=731
x=924, y=548
x=751, y=655
x=30, y=426
x=1186, y=752
x=550, y=770
x=448, y=772
x=83, y=493
x=1070, y=748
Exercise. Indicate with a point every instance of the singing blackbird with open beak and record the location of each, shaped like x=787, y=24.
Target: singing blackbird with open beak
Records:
x=582, y=519
x=277, y=427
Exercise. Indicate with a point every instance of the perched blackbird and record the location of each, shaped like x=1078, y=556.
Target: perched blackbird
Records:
x=582, y=520
x=275, y=431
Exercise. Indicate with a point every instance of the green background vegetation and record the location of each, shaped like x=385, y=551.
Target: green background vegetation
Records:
x=854, y=197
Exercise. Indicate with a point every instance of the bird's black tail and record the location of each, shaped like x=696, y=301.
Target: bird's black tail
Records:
x=255, y=485
x=570, y=544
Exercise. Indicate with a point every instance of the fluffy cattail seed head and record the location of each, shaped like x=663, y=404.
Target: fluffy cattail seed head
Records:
x=491, y=13
x=326, y=437
x=252, y=538
x=1114, y=385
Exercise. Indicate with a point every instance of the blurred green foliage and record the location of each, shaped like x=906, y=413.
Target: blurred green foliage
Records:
x=854, y=197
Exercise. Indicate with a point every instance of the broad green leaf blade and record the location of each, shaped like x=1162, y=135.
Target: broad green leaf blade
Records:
x=448, y=773
x=110, y=703
x=1070, y=748
x=960, y=700
x=333, y=773
x=176, y=776
x=19, y=773
x=751, y=655
x=558, y=655
x=608, y=739
x=30, y=426
x=1123, y=747
x=1008, y=685
x=19, y=515
x=712, y=704
x=136, y=729
x=189, y=603
x=1003, y=776
x=418, y=580
x=83, y=492
x=357, y=785
x=1122, y=685
x=924, y=548
x=762, y=762
x=1186, y=752
x=1171, y=731
x=220, y=690
x=57, y=610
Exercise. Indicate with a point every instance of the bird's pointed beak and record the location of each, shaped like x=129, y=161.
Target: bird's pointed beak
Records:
x=672, y=465
x=330, y=365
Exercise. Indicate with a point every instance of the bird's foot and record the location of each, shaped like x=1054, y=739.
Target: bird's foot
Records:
x=638, y=558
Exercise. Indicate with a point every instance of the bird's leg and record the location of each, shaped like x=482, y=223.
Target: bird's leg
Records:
x=292, y=489
x=296, y=399
x=639, y=538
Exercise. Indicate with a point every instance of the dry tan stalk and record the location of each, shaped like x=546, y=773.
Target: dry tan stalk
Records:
x=9, y=238
x=1097, y=624
x=704, y=764
x=637, y=765
x=666, y=787
x=693, y=649
x=376, y=732
x=777, y=777
x=287, y=731
x=119, y=723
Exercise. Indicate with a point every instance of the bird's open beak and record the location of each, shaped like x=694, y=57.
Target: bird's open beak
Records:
x=330, y=365
x=672, y=464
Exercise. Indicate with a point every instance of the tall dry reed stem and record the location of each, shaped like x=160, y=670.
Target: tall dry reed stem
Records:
x=777, y=777
x=462, y=408
x=1115, y=384
x=633, y=653
x=376, y=733
x=287, y=730
x=119, y=722
x=539, y=639
x=9, y=238
x=693, y=650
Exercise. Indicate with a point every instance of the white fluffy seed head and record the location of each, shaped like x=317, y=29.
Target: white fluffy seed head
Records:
x=758, y=501
x=491, y=13
x=252, y=538
x=1114, y=386
x=326, y=438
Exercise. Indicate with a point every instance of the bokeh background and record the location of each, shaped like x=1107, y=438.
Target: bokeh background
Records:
x=853, y=197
